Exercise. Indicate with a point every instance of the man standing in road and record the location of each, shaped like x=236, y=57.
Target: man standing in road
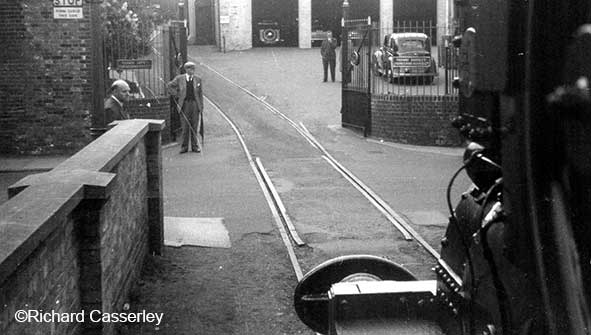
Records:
x=114, y=104
x=327, y=50
x=187, y=89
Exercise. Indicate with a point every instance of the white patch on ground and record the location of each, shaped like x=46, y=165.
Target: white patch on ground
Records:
x=283, y=185
x=200, y=232
x=427, y=218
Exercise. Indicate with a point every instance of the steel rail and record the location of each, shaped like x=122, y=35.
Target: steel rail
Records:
x=291, y=228
x=398, y=221
x=268, y=196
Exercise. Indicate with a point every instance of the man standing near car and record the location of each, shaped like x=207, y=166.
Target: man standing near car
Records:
x=187, y=88
x=329, y=57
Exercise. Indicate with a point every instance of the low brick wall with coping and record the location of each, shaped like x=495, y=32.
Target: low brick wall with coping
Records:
x=419, y=120
x=75, y=238
x=155, y=109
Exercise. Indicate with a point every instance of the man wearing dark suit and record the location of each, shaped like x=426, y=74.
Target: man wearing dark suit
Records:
x=187, y=89
x=114, y=104
x=329, y=57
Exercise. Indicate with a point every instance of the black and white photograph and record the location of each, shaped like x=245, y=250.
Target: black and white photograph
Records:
x=287, y=167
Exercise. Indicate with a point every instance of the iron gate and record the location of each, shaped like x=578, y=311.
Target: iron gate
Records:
x=364, y=77
x=147, y=60
x=356, y=71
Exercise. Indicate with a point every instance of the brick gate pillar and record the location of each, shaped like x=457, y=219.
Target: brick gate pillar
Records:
x=386, y=18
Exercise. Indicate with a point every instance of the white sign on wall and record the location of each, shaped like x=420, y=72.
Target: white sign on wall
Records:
x=224, y=19
x=67, y=9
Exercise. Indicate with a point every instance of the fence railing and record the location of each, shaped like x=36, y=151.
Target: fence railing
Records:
x=423, y=62
x=146, y=63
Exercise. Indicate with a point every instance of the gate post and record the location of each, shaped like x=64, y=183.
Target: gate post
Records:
x=98, y=126
x=367, y=130
x=344, y=45
x=183, y=43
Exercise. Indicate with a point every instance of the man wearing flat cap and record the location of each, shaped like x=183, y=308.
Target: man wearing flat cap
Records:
x=187, y=89
x=114, y=103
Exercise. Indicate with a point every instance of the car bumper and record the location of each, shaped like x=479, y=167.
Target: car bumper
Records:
x=412, y=73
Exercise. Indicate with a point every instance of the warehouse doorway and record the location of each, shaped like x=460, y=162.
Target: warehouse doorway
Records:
x=327, y=14
x=204, y=32
x=274, y=23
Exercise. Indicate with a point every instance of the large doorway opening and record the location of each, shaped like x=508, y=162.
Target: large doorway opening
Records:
x=204, y=14
x=274, y=23
x=415, y=10
x=327, y=14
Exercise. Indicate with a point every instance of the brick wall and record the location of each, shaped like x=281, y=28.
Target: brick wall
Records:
x=55, y=261
x=157, y=110
x=415, y=120
x=44, y=87
x=74, y=239
x=124, y=232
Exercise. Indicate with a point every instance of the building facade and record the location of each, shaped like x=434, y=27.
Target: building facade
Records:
x=244, y=24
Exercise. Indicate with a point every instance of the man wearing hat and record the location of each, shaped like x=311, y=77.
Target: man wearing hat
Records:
x=187, y=89
x=114, y=104
x=327, y=51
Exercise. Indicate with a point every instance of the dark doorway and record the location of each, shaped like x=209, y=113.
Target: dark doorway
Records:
x=275, y=23
x=327, y=14
x=417, y=13
x=365, y=8
x=415, y=10
x=204, y=34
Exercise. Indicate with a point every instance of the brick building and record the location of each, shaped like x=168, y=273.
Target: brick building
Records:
x=45, y=95
x=45, y=58
x=239, y=24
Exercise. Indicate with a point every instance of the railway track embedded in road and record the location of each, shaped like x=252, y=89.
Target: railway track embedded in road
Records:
x=282, y=220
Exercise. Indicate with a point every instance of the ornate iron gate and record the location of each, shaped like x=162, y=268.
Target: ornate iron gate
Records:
x=147, y=60
x=356, y=51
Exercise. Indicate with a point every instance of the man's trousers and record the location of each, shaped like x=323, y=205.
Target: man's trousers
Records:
x=325, y=63
x=193, y=115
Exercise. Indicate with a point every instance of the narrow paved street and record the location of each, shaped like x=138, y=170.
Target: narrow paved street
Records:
x=247, y=288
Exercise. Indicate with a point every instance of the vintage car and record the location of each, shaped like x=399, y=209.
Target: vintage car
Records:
x=405, y=55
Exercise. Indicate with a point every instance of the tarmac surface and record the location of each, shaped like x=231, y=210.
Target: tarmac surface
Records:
x=248, y=288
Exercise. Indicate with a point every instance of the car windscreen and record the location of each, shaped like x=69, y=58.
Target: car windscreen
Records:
x=408, y=45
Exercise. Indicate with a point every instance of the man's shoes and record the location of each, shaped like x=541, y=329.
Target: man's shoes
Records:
x=324, y=81
x=196, y=150
x=183, y=150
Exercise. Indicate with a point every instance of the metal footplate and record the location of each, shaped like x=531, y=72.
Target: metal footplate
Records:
x=379, y=307
x=362, y=294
